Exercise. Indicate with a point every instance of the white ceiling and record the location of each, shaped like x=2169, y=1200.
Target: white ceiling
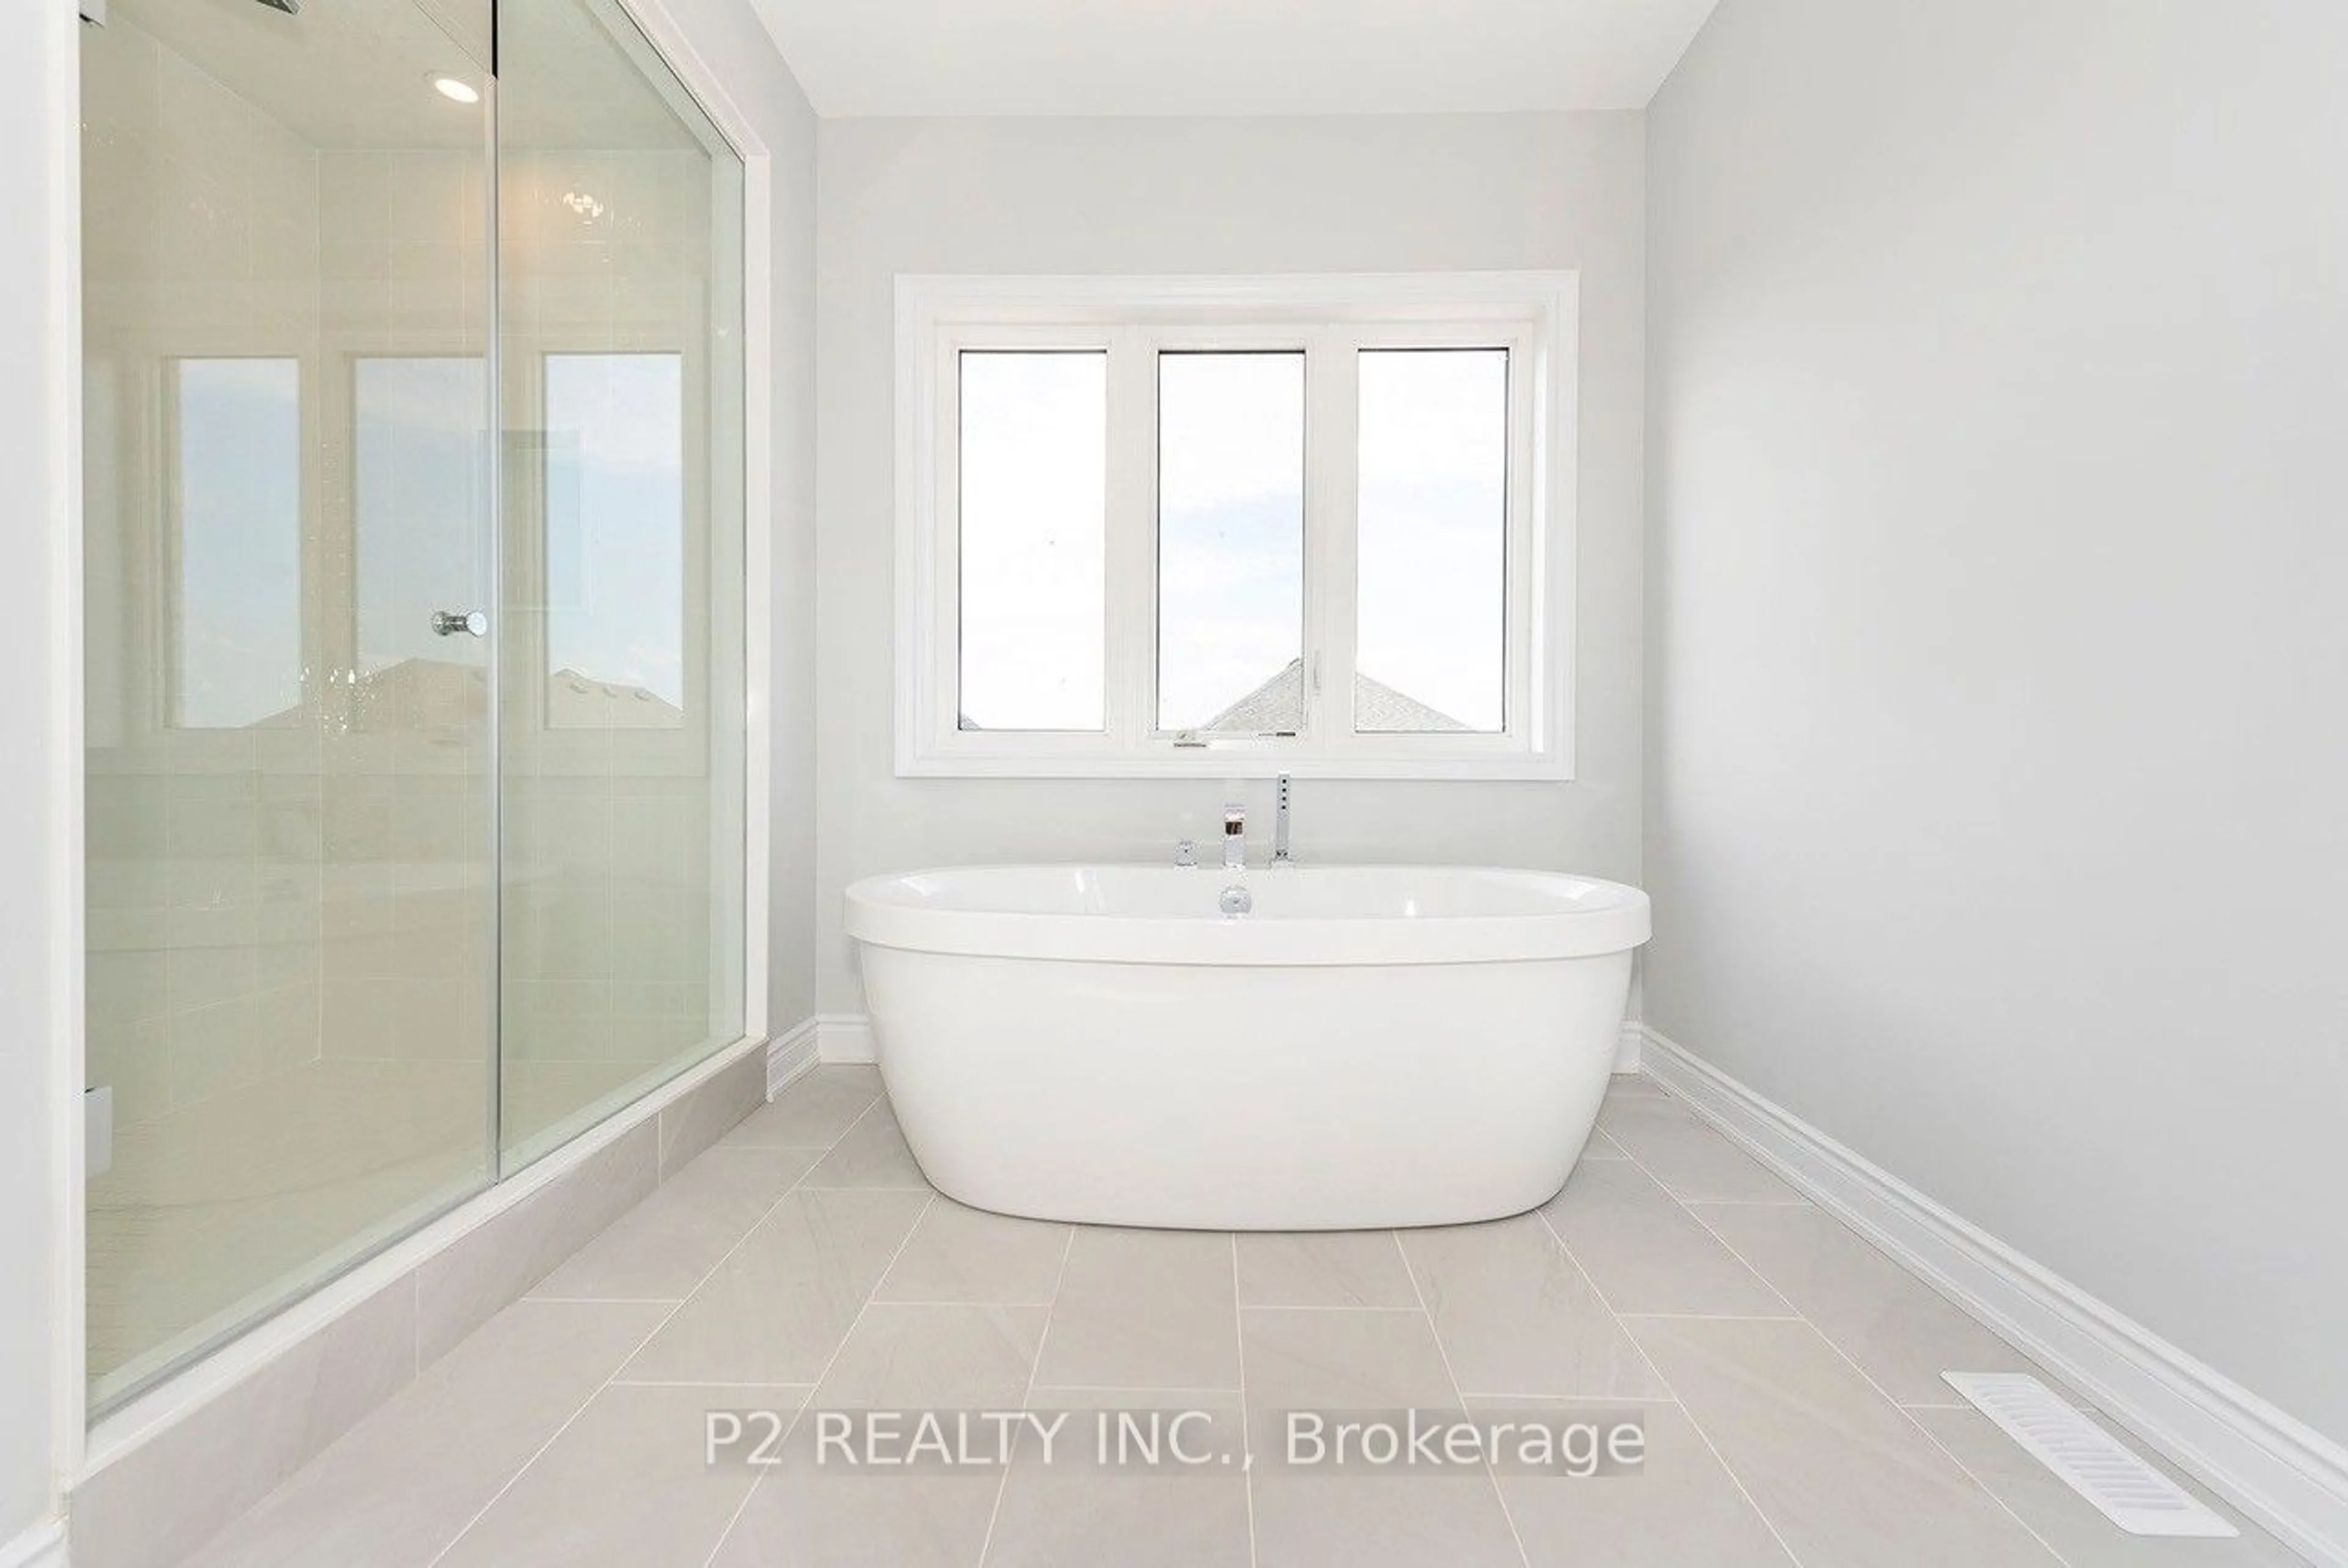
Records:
x=1229, y=56
x=356, y=73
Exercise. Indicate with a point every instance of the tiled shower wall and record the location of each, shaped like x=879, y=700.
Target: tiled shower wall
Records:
x=205, y=847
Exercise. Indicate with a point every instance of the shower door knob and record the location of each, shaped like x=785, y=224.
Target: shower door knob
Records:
x=448, y=623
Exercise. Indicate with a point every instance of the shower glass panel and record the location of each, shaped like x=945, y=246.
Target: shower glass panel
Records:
x=415, y=625
x=418, y=481
x=616, y=542
x=290, y=777
x=622, y=727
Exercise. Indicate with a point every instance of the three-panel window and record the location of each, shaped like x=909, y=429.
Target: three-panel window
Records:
x=1209, y=526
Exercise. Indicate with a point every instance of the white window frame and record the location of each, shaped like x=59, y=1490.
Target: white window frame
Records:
x=1533, y=315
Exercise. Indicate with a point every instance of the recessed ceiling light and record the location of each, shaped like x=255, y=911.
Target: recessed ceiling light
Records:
x=456, y=90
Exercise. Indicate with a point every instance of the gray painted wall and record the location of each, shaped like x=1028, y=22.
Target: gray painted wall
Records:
x=1997, y=697
x=1392, y=193
x=728, y=35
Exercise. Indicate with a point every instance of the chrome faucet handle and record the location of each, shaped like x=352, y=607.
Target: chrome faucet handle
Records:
x=1186, y=852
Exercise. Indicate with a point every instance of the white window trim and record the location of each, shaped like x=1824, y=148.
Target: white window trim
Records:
x=1534, y=315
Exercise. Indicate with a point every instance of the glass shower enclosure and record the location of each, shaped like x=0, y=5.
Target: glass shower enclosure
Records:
x=414, y=625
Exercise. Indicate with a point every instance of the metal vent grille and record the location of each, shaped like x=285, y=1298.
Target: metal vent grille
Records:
x=2131, y=1494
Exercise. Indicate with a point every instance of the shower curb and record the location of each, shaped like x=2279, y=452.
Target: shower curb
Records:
x=170, y=1469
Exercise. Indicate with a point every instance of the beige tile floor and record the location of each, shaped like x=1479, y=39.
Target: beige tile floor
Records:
x=1786, y=1375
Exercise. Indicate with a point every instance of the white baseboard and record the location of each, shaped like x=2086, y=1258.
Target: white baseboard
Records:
x=843, y=1037
x=43, y=1546
x=790, y=1055
x=1626, y=1046
x=2284, y=1474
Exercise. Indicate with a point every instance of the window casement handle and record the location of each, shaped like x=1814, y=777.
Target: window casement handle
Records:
x=448, y=623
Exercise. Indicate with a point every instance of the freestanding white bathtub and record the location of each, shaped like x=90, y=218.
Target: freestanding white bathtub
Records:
x=1369, y=1046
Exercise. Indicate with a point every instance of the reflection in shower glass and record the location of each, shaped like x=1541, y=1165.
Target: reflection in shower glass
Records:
x=421, y=484
x=287, y=852
x=615, y=540
x=237, y=489
x=621, y=719
x=365, y=930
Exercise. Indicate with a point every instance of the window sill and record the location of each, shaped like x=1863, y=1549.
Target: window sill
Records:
x=1250, y=764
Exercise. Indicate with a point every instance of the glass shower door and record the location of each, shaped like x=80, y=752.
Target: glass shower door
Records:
x=621, y=739
x=290, y=707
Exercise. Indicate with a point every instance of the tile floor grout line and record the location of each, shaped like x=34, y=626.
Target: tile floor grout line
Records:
x=1495, y=1395
x=1788, y=1316
x=1694, y=1422
x=1305, y=1306
x=702, y=1383
x=1694, y=1208
x=902, y=1301
x=1691, y=1206
x=556, y=1436
x=1835, y=1346
x=736, y=1518
x=2216, y=1504
x=1491, y=1476
x=818, y=1149
x=830, y=1361
x=1687, y=1207
x=1027, y=1399
x=610, y=1300
x=1604, y=1401
x=1132, y=1387
x=1542, y=1213
x=1239, y=1345
x=1128, y=1388
x=1885, y=1395
x=666, y=1317
x=1967, y=1471
x=1695, y=1425
x=1665, y=1095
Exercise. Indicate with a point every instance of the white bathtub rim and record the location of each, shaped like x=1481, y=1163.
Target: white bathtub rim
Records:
x=1619, y=925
